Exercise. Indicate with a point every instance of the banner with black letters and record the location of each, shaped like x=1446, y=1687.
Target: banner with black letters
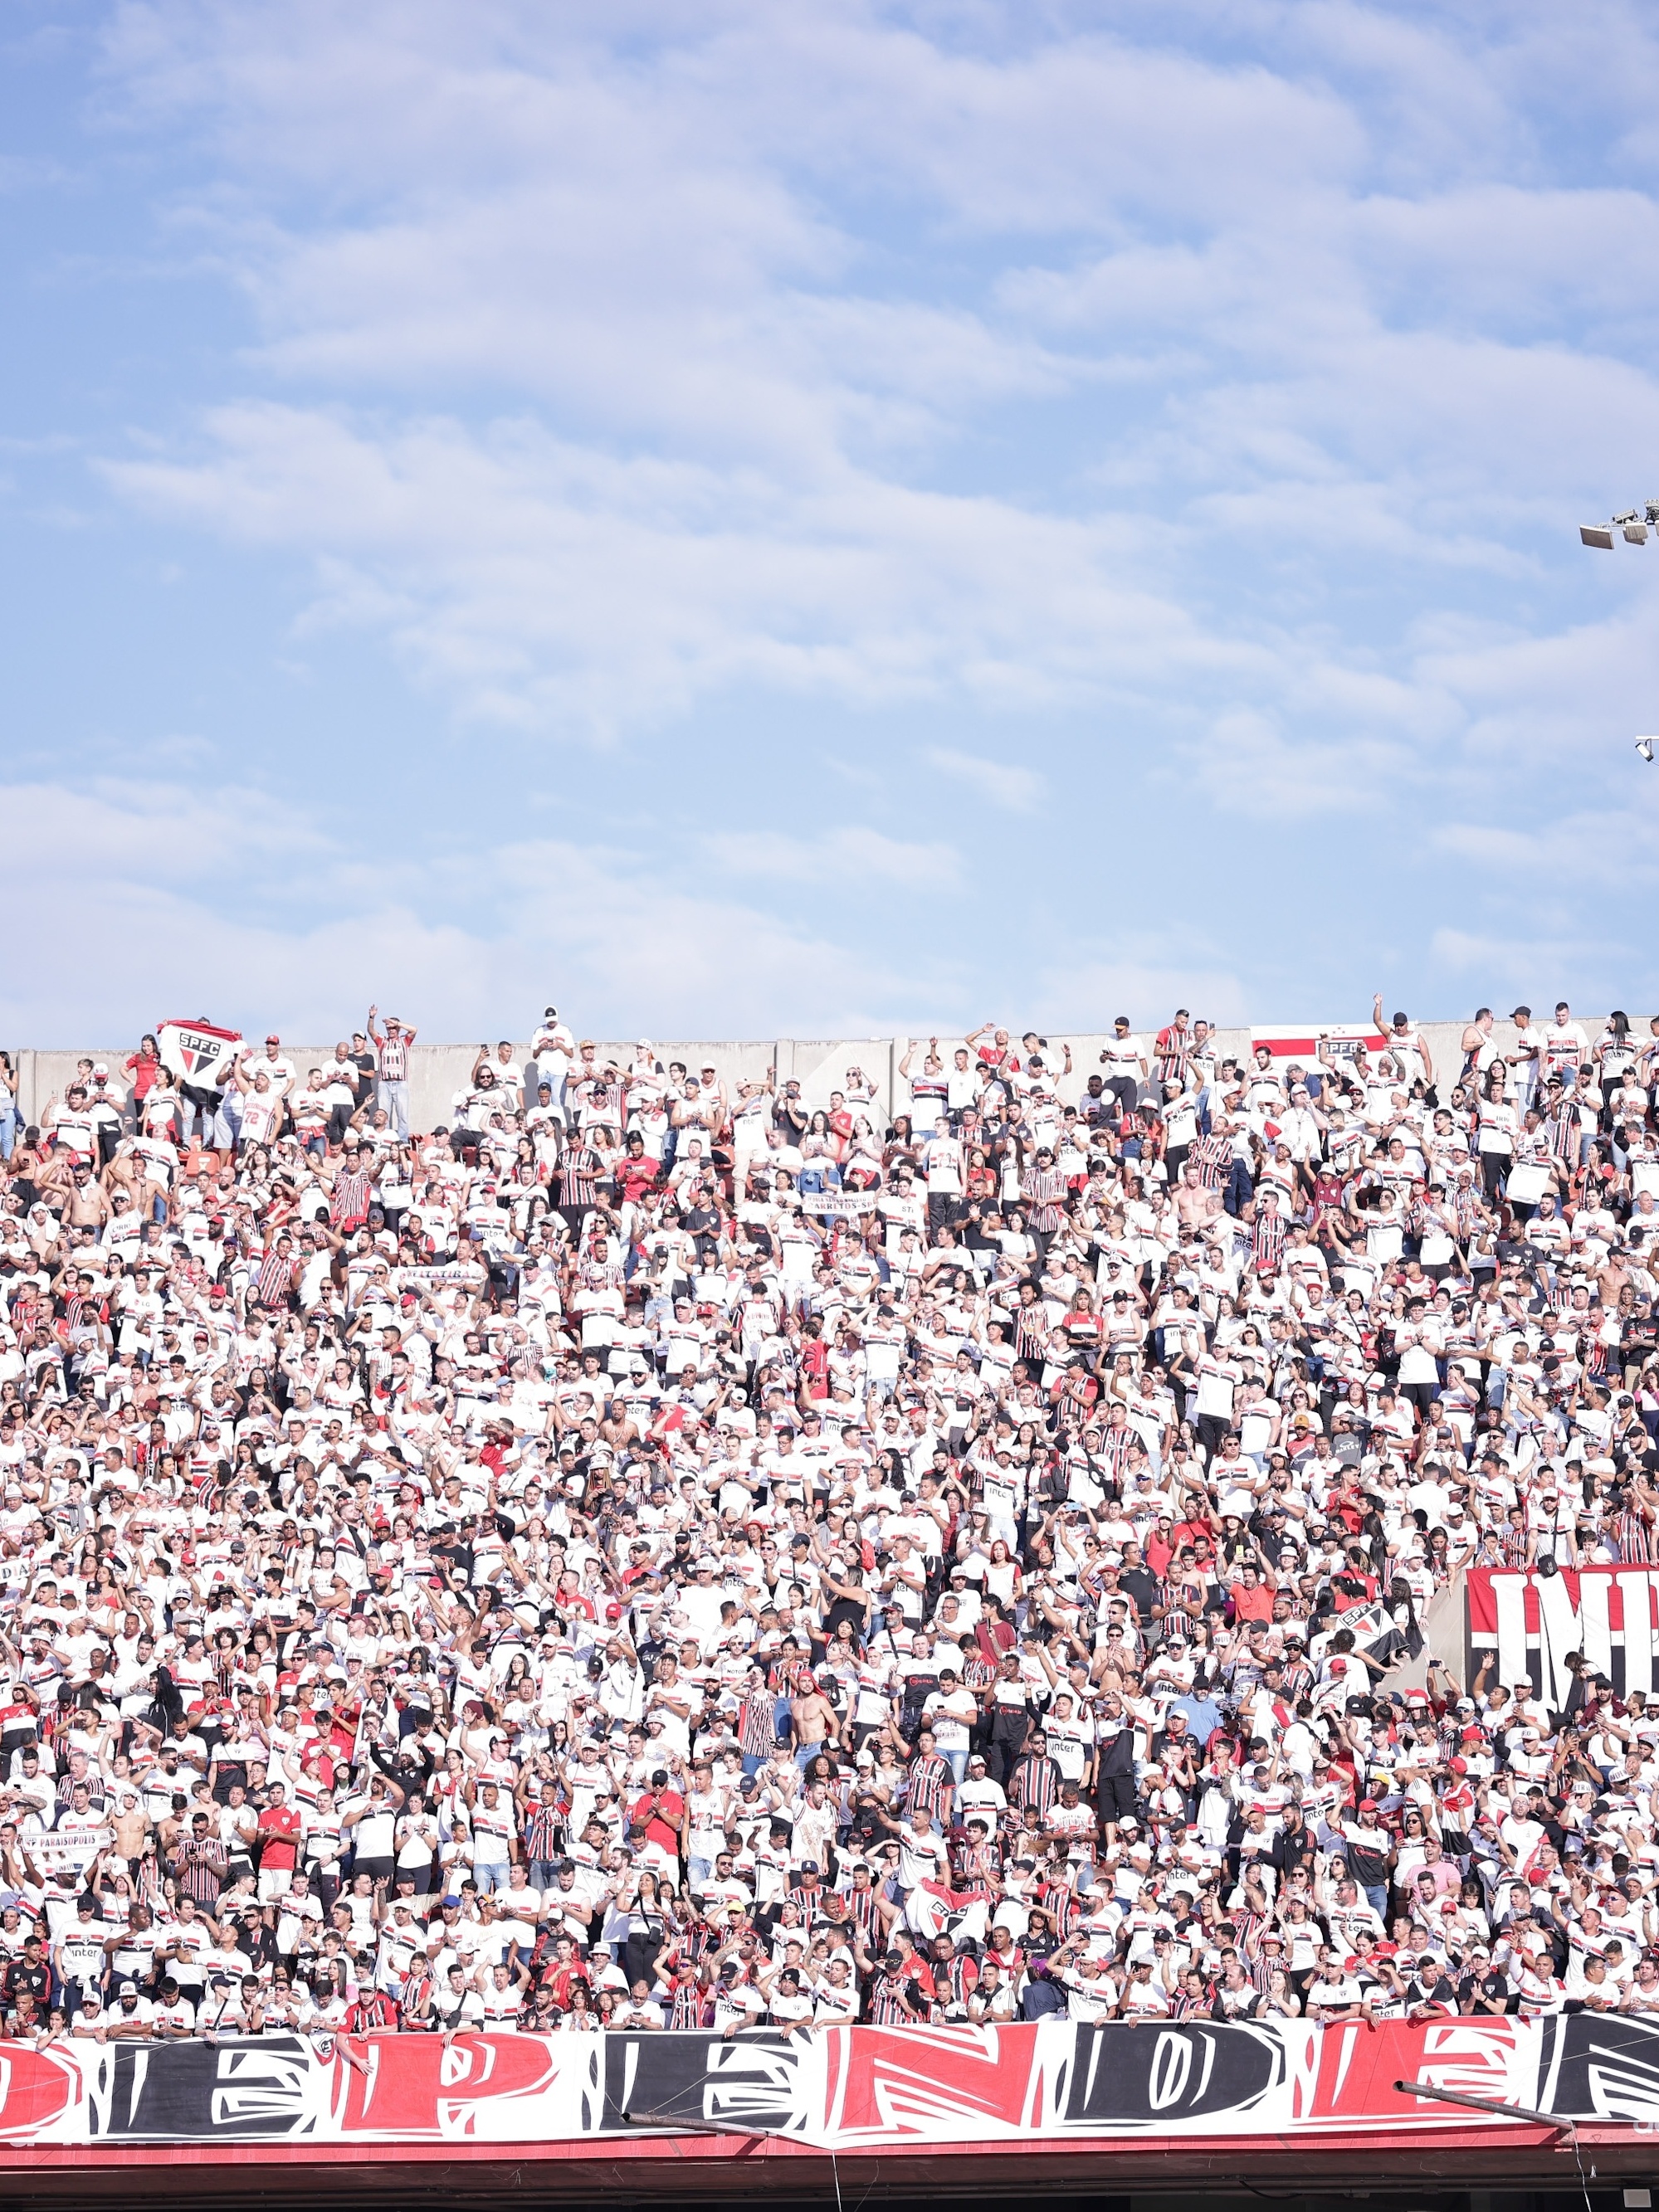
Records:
x=838, y=2088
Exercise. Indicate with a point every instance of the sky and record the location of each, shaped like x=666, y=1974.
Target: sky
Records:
x=748, y=519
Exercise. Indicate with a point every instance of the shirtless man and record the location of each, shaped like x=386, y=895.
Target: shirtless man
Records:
x=130, y=1825
x=813, y=1718
x=89, y=1204
x=1194, y=1206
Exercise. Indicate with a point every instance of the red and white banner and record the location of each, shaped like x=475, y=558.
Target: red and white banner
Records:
x=1535, y=1622
x=1300, y=1040
x=840, y=2088
x=197, y=1052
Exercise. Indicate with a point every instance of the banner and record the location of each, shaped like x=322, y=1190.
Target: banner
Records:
x=196, y=1052
x=842, y=2089
x=454, y=1274
x=840, y=1205
x=1535, y=1621
x=75, y=1848
x=1299, y=1041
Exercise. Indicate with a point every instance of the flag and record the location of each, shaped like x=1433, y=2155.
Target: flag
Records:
x=197, y=1052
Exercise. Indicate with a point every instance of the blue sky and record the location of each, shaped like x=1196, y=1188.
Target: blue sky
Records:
x=748, y=519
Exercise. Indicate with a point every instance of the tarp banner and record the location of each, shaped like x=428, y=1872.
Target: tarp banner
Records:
x=1533, y=1623
x=839, y=2088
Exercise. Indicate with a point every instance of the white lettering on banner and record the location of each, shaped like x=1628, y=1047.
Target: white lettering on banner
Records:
x=74, y=1847
x=1636, y=1601
x=1565, y=1628
x=1534, y=1622
x=433, y=1278
x=1172, y=2062
x=1510, y=1592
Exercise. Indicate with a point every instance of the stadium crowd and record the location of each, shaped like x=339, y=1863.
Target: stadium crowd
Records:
x=649, y=1555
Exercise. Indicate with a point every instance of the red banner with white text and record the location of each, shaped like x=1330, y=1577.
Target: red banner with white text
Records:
x=1536, y=1623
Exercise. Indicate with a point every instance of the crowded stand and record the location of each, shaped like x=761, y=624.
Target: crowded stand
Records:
x=648, y=1553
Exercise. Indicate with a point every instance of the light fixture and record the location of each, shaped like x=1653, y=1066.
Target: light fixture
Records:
x=1633, y=523
x=1644, y=746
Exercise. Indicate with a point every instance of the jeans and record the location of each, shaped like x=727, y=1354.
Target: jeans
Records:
x=394, y=1097
x=543, y=1874
x=215, y=1130
x=957, y=1763
x=11, y=1124
x=493, y=1875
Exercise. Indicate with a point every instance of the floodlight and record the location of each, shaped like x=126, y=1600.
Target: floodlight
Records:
x=1635, y=533
x=1597, y=533
x=1644, y=746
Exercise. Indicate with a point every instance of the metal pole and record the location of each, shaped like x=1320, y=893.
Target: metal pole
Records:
x=1486, y=2104
x=687, y=2127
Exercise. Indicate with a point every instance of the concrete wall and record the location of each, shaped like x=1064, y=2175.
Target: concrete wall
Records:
x=438, y=1071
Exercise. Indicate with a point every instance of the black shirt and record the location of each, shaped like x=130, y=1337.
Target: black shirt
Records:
x=1143, y=1586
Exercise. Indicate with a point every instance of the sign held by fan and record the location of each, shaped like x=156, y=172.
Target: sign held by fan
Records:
x=198, y=1053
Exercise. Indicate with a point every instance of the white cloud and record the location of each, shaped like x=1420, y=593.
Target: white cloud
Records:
x=847, y=855
x=547, y=583
x=1489, y=846
x=613, y=364
x=218, y=894
x=1020, y=789
x=1246, y=765
x=724, y=374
